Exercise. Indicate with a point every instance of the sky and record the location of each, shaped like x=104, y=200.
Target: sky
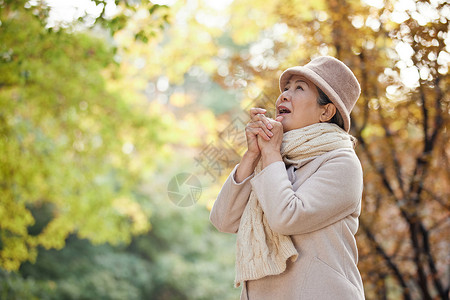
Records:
x=69, y=10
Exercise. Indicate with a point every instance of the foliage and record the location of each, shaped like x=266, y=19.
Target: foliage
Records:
x=68, y=144
x=154, y=17
x=81, y=169
x=178, y=259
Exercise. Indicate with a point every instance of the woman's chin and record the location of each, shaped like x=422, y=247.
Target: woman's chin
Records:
x=285, y=127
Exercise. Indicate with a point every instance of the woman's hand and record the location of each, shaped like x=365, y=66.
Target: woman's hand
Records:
x=270, y=149
x=259, y=126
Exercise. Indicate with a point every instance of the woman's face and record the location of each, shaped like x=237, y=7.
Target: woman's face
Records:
x=298, y=104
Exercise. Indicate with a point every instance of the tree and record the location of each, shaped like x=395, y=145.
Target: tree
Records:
x=72, y=149
x=407, y=156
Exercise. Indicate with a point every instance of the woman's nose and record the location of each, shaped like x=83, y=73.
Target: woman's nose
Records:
x=285, y=96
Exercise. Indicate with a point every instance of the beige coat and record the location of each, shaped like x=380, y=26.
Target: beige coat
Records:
x=318, y=205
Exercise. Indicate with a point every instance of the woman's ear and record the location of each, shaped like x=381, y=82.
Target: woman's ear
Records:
x=328, y=111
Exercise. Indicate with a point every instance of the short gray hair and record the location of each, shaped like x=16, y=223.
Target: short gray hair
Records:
x=323, y=99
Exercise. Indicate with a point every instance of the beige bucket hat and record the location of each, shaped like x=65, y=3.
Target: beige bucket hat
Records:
x=334, y=78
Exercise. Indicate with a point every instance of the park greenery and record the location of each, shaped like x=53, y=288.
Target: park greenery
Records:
x=99, y=114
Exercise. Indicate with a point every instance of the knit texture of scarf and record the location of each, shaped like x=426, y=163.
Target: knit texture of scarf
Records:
x=259, y=250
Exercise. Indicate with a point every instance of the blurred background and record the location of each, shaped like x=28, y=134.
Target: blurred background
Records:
x=120, y=120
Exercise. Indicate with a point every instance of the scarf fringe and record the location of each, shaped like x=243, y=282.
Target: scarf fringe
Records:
x=254, y=270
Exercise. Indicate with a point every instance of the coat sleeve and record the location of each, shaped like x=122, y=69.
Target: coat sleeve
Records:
x=327, y=196
x=230, y=203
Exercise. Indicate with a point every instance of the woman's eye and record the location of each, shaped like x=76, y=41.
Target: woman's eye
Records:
x=299, y=88
x=286, y=88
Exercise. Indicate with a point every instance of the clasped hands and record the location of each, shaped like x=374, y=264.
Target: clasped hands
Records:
x=264, y=135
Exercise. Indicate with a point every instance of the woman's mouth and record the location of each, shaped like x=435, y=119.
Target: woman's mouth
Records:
x=282, y=110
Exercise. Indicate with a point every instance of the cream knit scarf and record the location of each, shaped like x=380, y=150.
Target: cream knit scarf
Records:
x=260, y=251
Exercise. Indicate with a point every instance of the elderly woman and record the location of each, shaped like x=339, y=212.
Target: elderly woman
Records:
x=295, y=197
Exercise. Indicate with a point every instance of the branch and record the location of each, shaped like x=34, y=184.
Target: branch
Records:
x=438, y=119
x=388, y=260
x=439, y=223
x=426, y=247
x=438, y=199
x=422, y=276
x=364, y=90
x=423, y=160
x=400, y=203
x=380, y=169
x=392, y=150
